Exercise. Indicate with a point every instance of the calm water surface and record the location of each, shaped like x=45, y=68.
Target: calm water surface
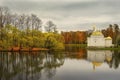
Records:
x=78, y=64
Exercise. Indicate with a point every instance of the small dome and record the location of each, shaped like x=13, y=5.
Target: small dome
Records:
x=108, y=38
x=97, y=33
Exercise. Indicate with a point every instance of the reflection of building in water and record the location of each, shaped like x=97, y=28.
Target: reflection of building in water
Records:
x=97, y=39
x=98, y=57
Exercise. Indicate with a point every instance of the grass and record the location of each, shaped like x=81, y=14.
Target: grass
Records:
x=104, y=48
x=92, y=48
x=76, y=45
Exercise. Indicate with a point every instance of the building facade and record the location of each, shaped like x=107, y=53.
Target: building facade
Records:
x=97, y=39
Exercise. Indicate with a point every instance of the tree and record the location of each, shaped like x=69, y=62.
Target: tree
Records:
x=14, y=20
x=50, y=26
x=4, y=14
x=116, y=28
x=110, y=32
x=55, y=29
x=38, y=24
x=21, y=22
x=25, y=31
x=118, y=40
x=116, y=32
x=54, y=41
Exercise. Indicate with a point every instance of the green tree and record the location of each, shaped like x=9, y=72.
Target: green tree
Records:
x=54, y=41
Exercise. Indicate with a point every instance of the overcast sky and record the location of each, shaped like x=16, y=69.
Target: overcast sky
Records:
x=70, y=14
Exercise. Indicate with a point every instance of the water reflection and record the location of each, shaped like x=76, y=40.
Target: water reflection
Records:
x=98, y=57
x=28, y=66
x=76, y=54
x=57, y=65
x=115, y=60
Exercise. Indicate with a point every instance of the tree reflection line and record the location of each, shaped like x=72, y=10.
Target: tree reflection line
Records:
x=12, y=65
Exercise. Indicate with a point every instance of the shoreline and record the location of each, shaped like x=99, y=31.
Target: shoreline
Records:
x=103, y=48
x=92, y=48
x=17, y=49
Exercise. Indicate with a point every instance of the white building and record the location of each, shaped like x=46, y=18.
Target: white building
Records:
x=97, y=39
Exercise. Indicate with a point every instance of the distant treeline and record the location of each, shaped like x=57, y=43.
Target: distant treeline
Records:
x=80, y=37
x=23, y=30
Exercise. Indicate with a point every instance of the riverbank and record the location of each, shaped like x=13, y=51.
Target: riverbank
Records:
x=23, y=49
x=71, y=46
x=76, y=45
x=103, y=48
x=92, y=48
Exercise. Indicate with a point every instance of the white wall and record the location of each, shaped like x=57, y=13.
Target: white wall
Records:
x=108, y=42
x=96, y=41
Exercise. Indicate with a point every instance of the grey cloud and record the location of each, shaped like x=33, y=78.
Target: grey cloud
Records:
x=61, y=11
x=75, y=8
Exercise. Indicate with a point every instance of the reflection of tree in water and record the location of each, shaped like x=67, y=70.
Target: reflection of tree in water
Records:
x=74, y=48
x=17, y=65
x=75, y=51
x=115, y=60
x=52, y=62
x=77, y=54
x=27, y=66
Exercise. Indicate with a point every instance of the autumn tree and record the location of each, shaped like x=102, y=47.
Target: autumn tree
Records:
x=25, y=31
x=113, y=31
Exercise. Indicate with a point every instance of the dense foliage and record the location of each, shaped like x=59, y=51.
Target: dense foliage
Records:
x=26, y=31
x=13, y=37
x=76, y=37
x=114, y=32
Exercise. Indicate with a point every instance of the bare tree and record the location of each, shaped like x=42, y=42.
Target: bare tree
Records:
x=35, y=22
x=50, y=26
x=33, y=19
x=21, y=21
x=14, y=20
x=38, y=23
x=4, y=16
x=28, y=22
x=55, y=29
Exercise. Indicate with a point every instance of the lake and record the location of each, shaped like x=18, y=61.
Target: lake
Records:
x=79, y=64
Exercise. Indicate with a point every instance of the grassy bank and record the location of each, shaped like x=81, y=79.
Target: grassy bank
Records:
x=92, y=48
x=76, y=45
x=104, y=48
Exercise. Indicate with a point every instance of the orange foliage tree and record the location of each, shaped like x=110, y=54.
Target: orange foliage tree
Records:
x=78, y=37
